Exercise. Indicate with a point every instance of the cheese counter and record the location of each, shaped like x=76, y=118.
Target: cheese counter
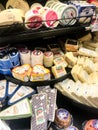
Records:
x=79, y=115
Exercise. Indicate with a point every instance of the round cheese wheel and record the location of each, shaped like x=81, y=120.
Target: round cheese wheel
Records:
x=50, y=17
x=63, y=118
x=36, y=6
x=19, y=4
x=91, y=124
x=33, y=20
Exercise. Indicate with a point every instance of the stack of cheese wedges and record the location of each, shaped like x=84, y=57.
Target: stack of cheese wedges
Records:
x=81, y=92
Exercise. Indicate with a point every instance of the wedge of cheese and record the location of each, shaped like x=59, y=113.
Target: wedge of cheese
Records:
x=22, y=72
x=75, y=71
x=21, y=109
x=89, y=65
x=94, y=97
x=83, y=75
x=4, y=125
x=93, y=78
x=21, y=93
x=70, y=58
x=68, y=87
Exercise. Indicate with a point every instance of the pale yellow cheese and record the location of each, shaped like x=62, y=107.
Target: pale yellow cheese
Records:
x=83, y=75
x=70, y=58
x=60, y=61
x=58, y=71
x=75, y=71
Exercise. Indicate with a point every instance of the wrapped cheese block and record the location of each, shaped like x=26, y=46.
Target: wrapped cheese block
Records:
x=60, y=61
x=58, y=71
x=21, y=109
x=36, y=57
x=22, y=72
x=11, y=88
x=33, y=19
x=48, y=59
x=18, y=4
x=40, y=73
x=11, y=16
x=25, y=56
x=21, y=93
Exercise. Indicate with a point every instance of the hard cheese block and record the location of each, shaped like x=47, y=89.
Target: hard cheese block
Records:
x=21, y=109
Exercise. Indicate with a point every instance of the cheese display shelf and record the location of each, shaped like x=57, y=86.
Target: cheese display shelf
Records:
x=18, y=32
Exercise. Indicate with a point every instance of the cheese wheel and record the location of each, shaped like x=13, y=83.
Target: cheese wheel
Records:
x=50, y=17
x=25, y=56
x=48, y=59
x=91, y=124
x=33, y=20
x=63, y=118
x=36, y=6
x=19, y=4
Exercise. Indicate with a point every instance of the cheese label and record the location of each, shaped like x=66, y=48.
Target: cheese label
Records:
x=39, y=113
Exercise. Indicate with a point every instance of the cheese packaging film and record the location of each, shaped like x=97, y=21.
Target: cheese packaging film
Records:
x=33, y=19
x=15, y=112
x=21, y=93
x=11, y=88
x=40, y=73
x=22, y=72
x=51, y=102
x=39, y=109
x=58, y=71
x=36, y=58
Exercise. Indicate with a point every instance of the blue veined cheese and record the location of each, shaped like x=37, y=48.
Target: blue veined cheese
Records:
x=21, y=93
x=21, y=109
